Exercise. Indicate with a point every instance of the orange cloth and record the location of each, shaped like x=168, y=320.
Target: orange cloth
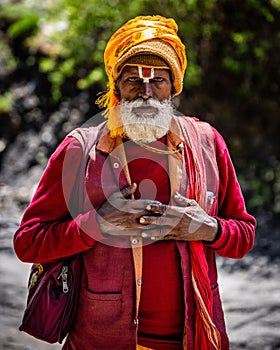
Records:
x=207, y=335
x=140, y=347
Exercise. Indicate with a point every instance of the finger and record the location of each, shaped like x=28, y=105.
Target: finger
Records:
x=147, y=220
x=155, y=238
x=153, y=235
x=170, y=237
x=143, y=203
x=156, y=208
x=157, y=222
x=129, y=190
x=183, y=201
x=171, y=211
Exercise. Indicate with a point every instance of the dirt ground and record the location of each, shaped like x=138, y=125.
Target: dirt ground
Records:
x=250, y=293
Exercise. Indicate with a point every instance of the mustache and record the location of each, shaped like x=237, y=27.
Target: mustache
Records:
x=144, y=109
x=149, y=105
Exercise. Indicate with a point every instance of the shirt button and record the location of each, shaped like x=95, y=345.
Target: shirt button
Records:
x=116, y=165
x=136, y=321
x=134, y=241
x=139, y=282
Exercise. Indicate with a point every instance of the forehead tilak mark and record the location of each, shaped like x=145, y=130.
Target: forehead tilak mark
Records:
x=146, y=74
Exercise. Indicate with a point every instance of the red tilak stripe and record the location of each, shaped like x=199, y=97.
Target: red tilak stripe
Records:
x=146, y=72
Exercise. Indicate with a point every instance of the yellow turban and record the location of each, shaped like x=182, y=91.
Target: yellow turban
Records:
x=152, y=35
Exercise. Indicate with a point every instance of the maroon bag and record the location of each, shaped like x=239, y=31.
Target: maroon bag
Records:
x=52, y=300
x=53, y=296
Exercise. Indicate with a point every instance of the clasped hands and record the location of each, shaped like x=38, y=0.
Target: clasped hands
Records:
x=121, y=215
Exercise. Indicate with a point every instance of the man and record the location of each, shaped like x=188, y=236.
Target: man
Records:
x=162, y=200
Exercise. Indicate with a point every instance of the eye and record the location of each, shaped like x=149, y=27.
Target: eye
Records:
x=133, y=79
x=157, y=79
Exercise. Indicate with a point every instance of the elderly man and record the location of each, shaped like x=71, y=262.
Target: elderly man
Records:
x=162, y=200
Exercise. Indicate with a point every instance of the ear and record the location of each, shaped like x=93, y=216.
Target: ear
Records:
x=116, y=88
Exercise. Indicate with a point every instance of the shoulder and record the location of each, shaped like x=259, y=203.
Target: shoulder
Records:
x=69, y=144
x=69, y=151
x=207, y=131
x=75, y=142
x=203, y=128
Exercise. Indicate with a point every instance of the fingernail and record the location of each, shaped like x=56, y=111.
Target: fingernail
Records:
x=142, y=221
x=144, y=235
x=148, y=207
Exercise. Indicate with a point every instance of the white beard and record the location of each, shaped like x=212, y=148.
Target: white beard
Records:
x=147, y=126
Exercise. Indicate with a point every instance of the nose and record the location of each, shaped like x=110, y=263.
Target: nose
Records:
x=146, y=91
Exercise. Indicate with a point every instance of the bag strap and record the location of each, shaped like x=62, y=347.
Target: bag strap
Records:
x=88, y=138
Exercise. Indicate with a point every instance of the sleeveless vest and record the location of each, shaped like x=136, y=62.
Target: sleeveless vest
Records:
x=109, y=316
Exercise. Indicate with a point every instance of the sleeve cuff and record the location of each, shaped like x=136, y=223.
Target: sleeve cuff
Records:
x=217, y=237
x=89, y=228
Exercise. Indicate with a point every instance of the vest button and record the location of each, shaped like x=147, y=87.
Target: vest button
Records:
x=136, y=321
x=139, y=281
x=134, y=241
x=116, y=165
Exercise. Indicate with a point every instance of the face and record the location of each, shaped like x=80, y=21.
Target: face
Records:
x=132, y=87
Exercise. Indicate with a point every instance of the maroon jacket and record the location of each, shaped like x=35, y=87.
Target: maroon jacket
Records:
x=105, y=318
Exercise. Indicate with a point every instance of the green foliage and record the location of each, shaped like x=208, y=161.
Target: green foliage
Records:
x=23, y=20
x=71, y=35
x=23, y=26
x=77, y=32
x=95, y=76
x=8, y=62
x=262, y=181
x=6, y=102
